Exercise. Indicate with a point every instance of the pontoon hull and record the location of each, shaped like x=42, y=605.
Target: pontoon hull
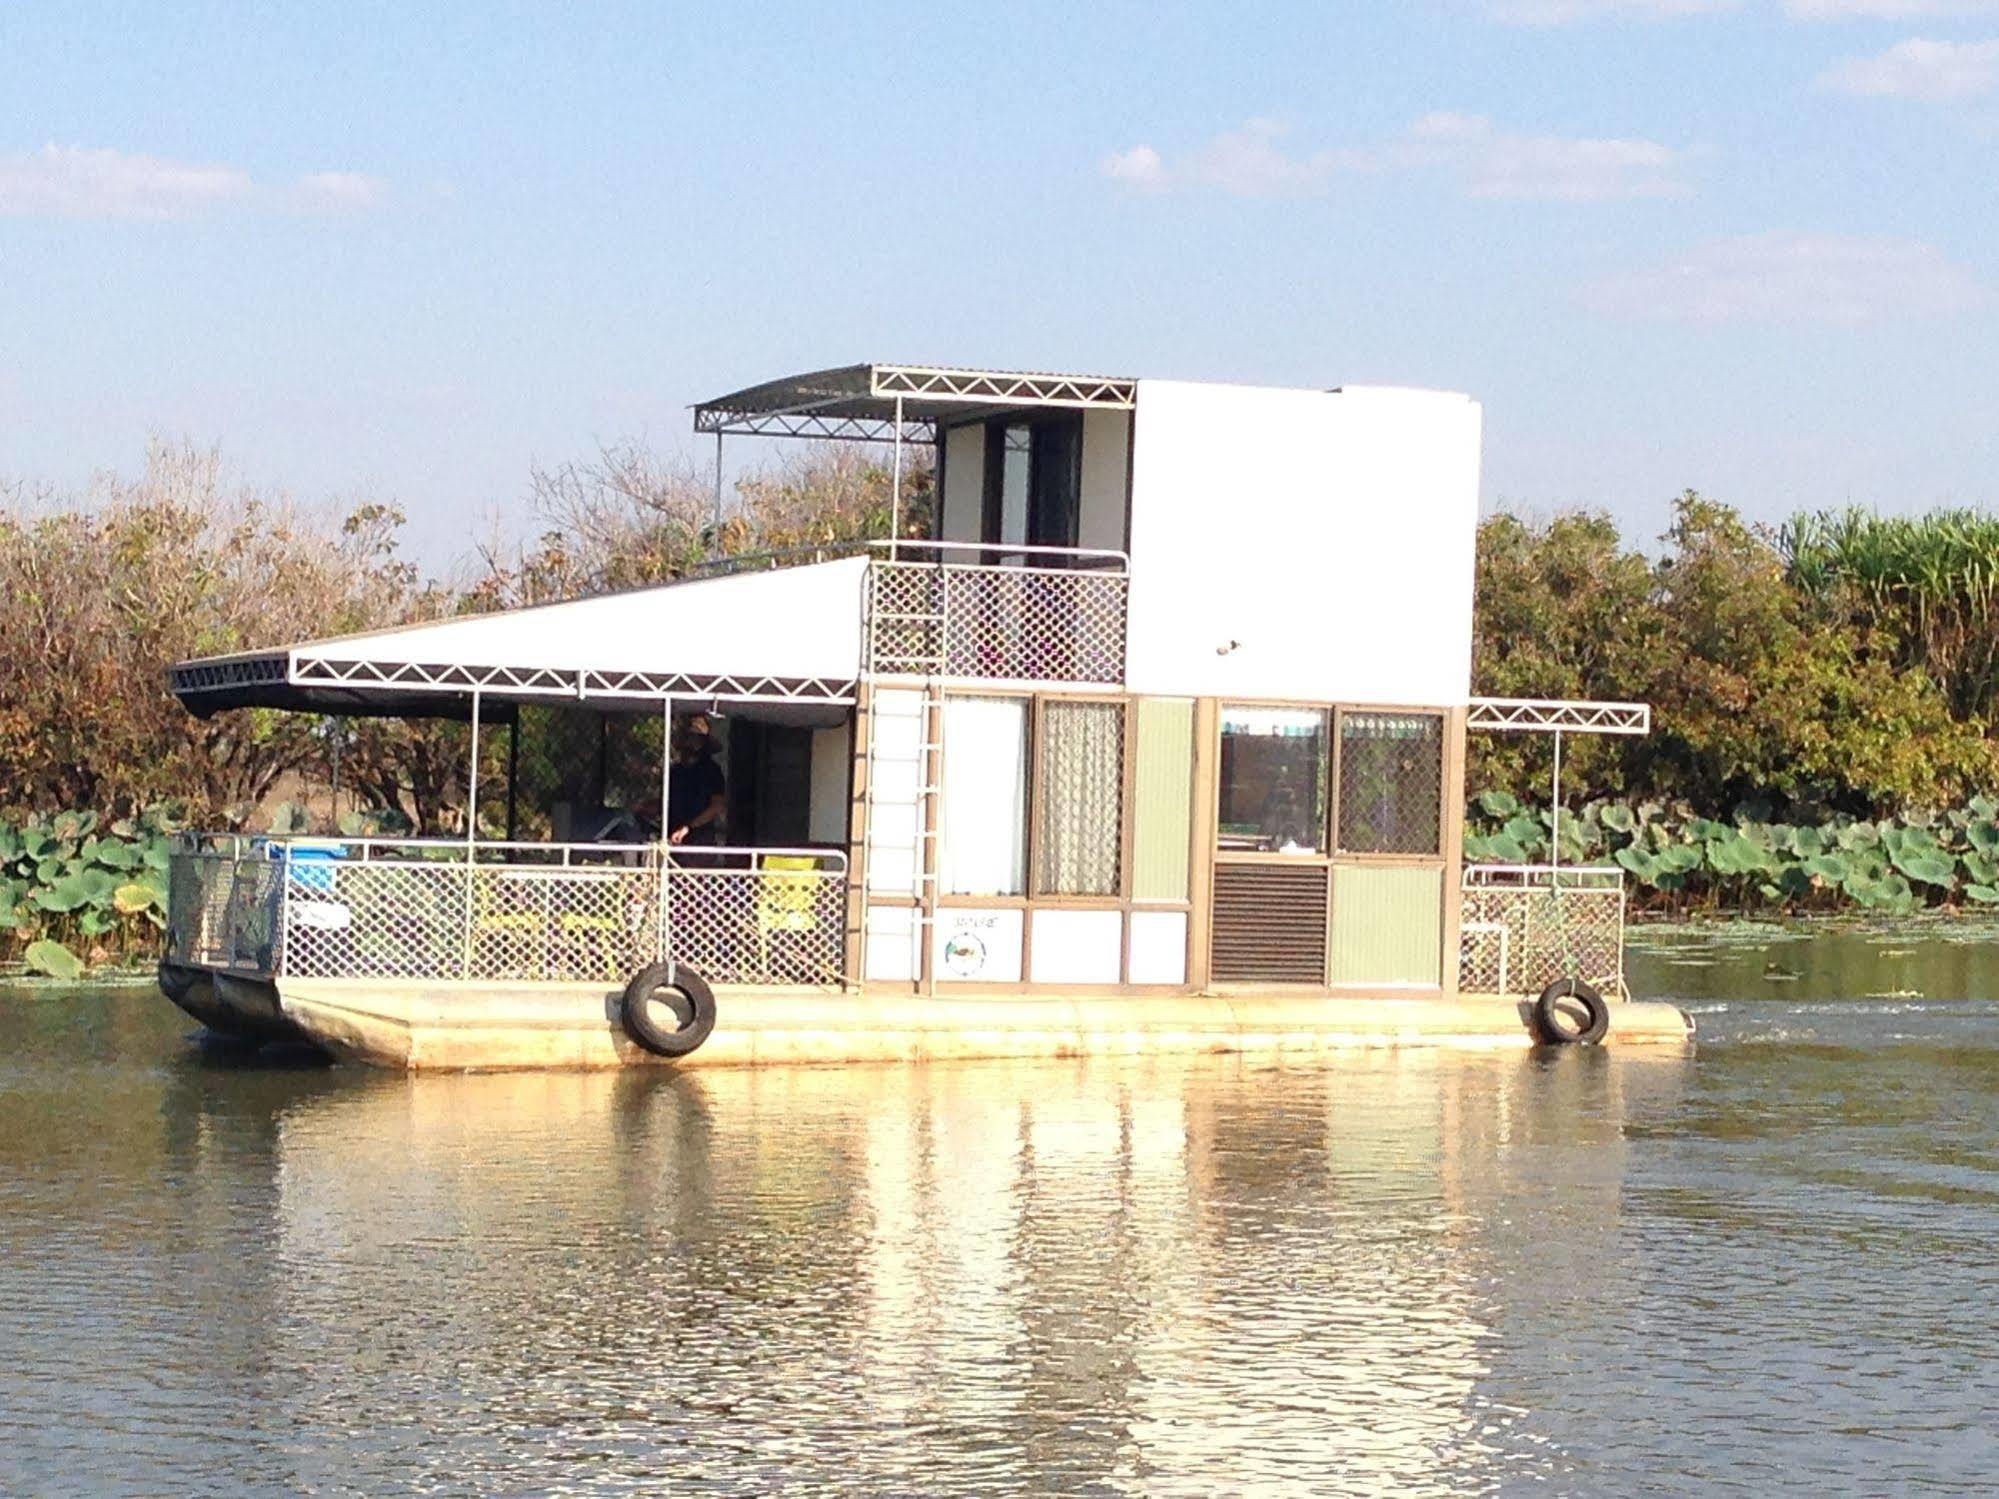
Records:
x=240, y=1007
x=478, y=1027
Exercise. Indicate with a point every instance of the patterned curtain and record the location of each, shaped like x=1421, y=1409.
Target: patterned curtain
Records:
x=1079, y=768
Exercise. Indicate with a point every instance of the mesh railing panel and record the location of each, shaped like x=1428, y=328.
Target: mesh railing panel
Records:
x=222, y=911
x=997, y=623
x=760, y=927
x=1519, y=937
x=1391, y=783
x=434, y=916
x=454, y=920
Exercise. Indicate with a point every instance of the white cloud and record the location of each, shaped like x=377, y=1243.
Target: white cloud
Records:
x=75, y=182
x=1918, y=69
x=1887, y=10
x=336, y=192
x=81, y=182
x=1561, y=12
x=1491, y=163
x=1787, y=277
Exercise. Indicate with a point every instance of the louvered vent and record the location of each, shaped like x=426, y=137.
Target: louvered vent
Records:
x=1270, y=923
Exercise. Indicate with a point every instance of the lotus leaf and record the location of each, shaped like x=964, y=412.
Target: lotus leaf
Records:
x=1494, y=804
x=135, y=898
x=53, y=959
x=1984, y=894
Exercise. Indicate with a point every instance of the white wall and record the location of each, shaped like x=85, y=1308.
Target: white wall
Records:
x=1328, y=534
x=832, y=758
x=964, y=481
x=1106, y=460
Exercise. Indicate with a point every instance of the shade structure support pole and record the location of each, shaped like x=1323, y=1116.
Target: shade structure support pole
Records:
x=895, y=486
x=718, y=492
x=1555, y=830
x=666, y=832
x=513, y=774
x=469, y=950
x=472, y=780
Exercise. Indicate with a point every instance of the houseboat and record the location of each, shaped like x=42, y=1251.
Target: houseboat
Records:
x=1154, y=743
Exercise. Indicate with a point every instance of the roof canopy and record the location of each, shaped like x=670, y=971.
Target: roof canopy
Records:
x=860, y=402
x=789, y=641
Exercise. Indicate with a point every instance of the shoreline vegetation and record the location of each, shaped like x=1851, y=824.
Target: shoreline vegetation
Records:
x=1822, y=691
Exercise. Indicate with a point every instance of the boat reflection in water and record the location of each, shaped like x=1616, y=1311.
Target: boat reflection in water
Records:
x=1147, y=1276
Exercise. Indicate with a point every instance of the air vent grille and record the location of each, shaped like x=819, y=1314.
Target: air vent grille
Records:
x=1270, y=923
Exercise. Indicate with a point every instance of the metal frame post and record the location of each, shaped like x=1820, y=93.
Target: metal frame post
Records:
x=718, y=491
x=471, y=832
x=665, y=833
x=472, y=781
x=513, y=771
x=895, y=487
x=1555, y=831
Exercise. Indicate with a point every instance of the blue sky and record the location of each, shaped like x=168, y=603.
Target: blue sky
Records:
x=406, y=250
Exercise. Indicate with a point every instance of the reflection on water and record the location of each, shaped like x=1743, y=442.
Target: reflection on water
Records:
x=1417, y=1272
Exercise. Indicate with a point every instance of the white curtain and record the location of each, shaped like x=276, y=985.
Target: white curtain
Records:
x=984, y=815
x=1080, y=771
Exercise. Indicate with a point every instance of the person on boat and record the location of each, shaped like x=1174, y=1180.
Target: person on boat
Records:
x=697, y=794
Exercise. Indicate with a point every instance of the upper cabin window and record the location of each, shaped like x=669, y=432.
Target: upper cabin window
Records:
x=1273, y=774
x=1034, y=479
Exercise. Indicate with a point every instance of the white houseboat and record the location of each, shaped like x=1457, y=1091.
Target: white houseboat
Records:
x=1156, y=743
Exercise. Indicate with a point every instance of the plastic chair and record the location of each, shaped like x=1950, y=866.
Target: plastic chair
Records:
x=787, y=900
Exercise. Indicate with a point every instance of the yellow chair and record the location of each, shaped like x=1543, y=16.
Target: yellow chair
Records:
x=514, y=928
x=787, y=899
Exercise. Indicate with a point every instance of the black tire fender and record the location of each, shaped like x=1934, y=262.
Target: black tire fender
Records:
x=1553, y=1027
x=690, y=997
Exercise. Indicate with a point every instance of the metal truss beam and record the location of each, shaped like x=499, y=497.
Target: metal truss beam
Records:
x=1003, y=388
x=1532, y=715
x=551, y=682
x=224, y=676
x=813, y=424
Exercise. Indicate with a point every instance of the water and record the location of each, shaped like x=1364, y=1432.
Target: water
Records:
x=1772, y=1266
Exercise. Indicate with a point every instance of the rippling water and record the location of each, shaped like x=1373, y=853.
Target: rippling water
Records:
x=1771, y=1266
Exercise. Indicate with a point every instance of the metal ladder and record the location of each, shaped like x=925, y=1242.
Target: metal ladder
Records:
x=927, y=767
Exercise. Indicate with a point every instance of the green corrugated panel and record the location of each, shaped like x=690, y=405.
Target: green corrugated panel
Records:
x=1388, y=925
x=1163, y=797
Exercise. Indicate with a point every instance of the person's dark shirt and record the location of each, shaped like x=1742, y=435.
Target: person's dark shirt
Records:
x=689, y=789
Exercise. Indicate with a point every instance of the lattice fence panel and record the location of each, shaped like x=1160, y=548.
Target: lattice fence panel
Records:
x=222, y=911
x=739, y=926
x=1027, y=624
x=1517, y=941
x=997, y=623
x=452, y=920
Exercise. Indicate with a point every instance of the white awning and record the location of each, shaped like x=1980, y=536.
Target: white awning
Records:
x=791, y=636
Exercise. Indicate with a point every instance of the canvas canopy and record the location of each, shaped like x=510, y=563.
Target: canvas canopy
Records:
x=789, y=640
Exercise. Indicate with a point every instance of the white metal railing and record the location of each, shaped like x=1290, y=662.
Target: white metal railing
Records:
x=1023, y=614
x=1523, y=926
x=422, y=909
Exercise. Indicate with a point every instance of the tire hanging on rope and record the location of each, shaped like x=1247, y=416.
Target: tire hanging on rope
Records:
x=677, y=988
x=1555, y=1023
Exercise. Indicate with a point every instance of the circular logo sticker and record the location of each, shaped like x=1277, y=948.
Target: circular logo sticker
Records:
x=964, y=954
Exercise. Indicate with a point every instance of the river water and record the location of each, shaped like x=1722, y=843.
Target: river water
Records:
x=1770, y=1266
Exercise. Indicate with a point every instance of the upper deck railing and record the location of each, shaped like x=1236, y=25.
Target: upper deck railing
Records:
x=989, y=612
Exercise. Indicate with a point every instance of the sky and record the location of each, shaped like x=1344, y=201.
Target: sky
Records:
x=406, y=251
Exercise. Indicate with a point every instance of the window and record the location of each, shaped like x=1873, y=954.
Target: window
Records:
x=1033, y=481
x=984, y=830
x=1273, y=773
x=1078, y=798
x=1391, y=783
